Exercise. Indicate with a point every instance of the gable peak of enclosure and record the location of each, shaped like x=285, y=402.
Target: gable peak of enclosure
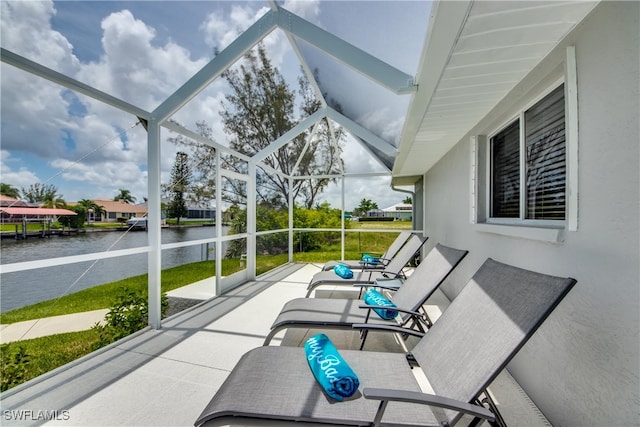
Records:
x=372, y=121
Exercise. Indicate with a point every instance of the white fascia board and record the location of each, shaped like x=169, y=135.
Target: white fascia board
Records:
x=241, y=45
x=362, y=132
x=445, y=26
x=388, y=76
x=29, y=66
x=289, y=135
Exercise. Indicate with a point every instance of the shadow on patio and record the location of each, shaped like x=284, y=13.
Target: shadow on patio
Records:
x=166, y=377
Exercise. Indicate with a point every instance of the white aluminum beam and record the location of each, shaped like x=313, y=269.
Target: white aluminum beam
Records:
x=234, y=175
x=268, y=169
x=345, y=175
x=175, y=127
x=251, y=223
x=241, y=45
x=34, y=68
x=153, y=223
x=362, y=132
x=334, y=142
x=290, y=222
x=314, y=132
x=388, y=76
x=288, y=136
x=55, y=262
x=218, y=272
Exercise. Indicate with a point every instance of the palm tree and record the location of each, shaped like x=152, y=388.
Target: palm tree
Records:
x=9, y=190
x=53, y=201
x=125, y=196
x=91, y=207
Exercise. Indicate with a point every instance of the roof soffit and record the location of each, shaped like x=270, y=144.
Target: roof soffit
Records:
x=470, y=62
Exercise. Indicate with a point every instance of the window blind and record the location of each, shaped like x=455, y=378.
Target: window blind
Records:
x=505, y=172
x=545, y=158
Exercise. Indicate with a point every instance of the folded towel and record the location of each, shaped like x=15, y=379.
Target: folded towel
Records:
x=368, y=259
x=343, y=271
x=329, y=368
x=373, y=297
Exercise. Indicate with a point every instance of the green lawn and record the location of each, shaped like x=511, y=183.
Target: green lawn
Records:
x=41, y=355
x=99, y=297
x=358, y=240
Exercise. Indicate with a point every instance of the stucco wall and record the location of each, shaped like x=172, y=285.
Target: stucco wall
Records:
x=582, y=366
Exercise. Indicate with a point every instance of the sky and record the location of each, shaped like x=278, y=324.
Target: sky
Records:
x=142, y=51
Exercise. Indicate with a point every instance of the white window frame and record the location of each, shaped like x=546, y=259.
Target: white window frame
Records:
x=521, y=220
x=480, y=168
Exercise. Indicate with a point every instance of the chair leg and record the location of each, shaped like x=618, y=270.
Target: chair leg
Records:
x=363, y=337
x=486, y=401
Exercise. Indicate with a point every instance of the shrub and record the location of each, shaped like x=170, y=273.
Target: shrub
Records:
x=128, y=315
x=14, y=366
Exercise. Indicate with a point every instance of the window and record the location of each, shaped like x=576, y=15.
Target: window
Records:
x=528, y=164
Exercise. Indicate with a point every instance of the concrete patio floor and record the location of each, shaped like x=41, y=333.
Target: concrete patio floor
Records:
x=166, y=377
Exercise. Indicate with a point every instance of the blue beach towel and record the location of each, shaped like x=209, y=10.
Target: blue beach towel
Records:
x=343, y=271
x=373, y=297
x=329, y=368
x=368, y=259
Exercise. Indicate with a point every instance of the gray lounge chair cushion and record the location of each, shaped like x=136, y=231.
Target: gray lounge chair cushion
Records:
x=509, y=301
x=260, y=381
x=363, y=276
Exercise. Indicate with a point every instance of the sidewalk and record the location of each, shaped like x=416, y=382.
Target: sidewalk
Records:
x=50, y=326
x=82, y=321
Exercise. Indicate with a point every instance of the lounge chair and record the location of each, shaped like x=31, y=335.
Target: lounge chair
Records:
x=333, y=313
x=384, y=259
x=461, y=354
x=394, y=269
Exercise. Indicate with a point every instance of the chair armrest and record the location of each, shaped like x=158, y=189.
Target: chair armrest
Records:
x=372, y=254
x=387, y=328
x=393, y=308
x=388, y=395
x=392, y=284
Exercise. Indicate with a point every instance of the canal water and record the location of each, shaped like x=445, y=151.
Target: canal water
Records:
x=28, y=287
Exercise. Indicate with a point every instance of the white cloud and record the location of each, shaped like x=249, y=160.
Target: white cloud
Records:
x=22, y=177
x=307, y=9
x=221, y=30
x=26, y=30
x=132, y=68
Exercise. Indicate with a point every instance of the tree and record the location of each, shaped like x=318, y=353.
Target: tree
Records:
x=9, y=190
x=407, y=200
x=53, y=201
x=202, y=166
x=178, y=187
x=124, y=196
x=76, y=221
x=365, y=206
x=91, y=206
x=260, y=109
x=43, y=194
